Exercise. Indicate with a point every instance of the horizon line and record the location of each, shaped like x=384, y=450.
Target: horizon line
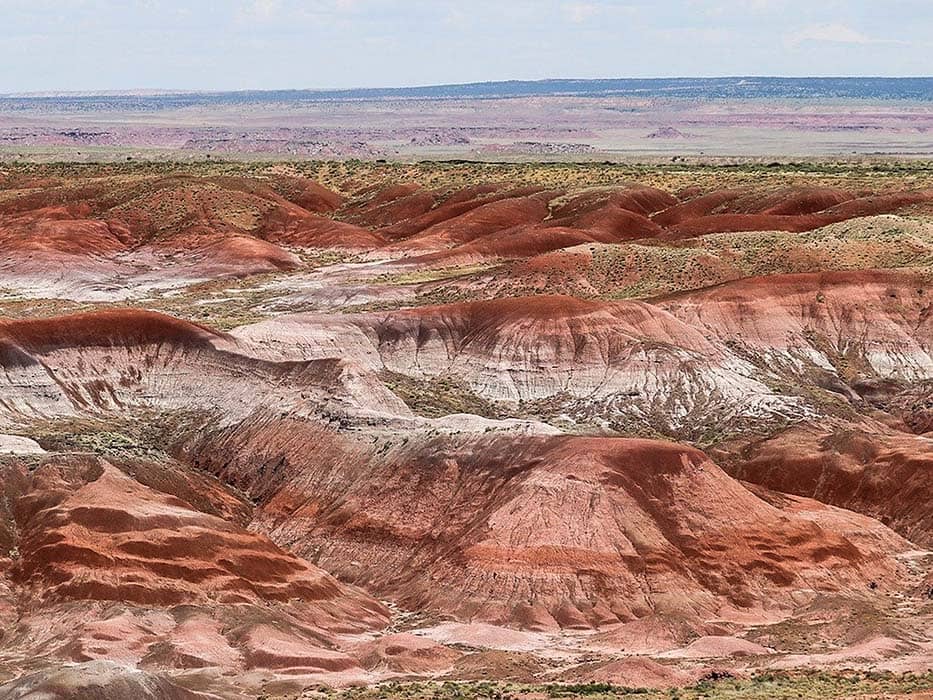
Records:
x=142, y=91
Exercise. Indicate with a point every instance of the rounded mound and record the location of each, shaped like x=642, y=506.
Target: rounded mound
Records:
x=96, y=680
x=129, y=327
x=90, y=532
x=245, y=255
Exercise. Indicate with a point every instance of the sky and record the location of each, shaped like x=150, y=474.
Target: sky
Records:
x=85, y=45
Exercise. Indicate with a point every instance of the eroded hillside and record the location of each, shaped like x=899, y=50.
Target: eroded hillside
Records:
x=266, y=427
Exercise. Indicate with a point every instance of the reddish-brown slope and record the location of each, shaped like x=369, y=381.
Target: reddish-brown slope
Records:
x=60, y=232
x=481, y=221
x=520, y=242
x=441, y=213
x=871, y=205
x=623, y=214
x=377, y=195
x=317, y=232
x=789, y=210
x=888, y=476
x=88, y=531
x=58, y=256
x=803, y=200
x=637, y=199
x=390, y=205
x=643, y=200
x=621, y=223
x=859, y=323
x=393, y=212
x=459, y=204
x=695, y=208
x=307, y=194
x=120, y=328
x=243, y=255
x=55, y=249
x=473, y=192
x=88, y=193
x=540, y=532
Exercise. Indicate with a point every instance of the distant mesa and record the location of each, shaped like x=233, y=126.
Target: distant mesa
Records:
x=541, y=148
x=669, y=132
x=440, y=138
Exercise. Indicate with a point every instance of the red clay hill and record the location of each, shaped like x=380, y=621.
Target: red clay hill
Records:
x=267, y=427
x=546, y=533
x=217, y=226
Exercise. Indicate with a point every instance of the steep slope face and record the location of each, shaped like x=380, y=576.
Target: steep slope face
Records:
x=852, y=324
x=306, y=193
x=88, y=531
x=787, y=210
x=483, y=220
x=518, y=242
x=125, y=361
x=696, y=365
x=619, y=222
x=321, y=232
x=454, y=205
x=390, y=205
x=635, y=198
x=912, y=404
x=64, y=231
x=58, y=250
x=863, y=467
x=800, y=200
x=99, y=680
x=293, y=226
x=624, y=214
x=545, y=532
x=695, y=207
x=101, y=567
x=621, y=364
x=234, y=256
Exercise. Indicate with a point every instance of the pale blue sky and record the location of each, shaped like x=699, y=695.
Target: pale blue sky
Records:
x=246, y=44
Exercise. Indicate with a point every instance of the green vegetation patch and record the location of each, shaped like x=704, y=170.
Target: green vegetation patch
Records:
x=434, y=275
x=145, y=436
x=439, y=396
x=777, y=685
